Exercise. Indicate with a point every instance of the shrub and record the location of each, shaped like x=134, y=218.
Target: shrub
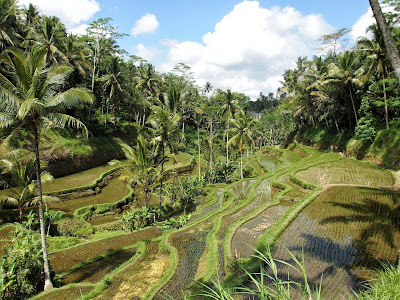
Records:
x=21, y=266
x=221, y=173
x=74, y=227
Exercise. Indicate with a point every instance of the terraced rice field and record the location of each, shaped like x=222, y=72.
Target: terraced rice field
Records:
x=344, y=232
x=347, y=171
x=115, y=190
x=64, y=260
x=80, y=179
x=135, y=280
x=190, y=244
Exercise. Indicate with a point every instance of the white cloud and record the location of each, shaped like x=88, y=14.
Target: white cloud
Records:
x=360, y=27
x=72, y=12
x=146, y=24
x=147, y=53
x=79, y=30
x=250, y=48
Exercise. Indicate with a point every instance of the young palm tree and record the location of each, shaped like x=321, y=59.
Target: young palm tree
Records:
x=242, y=124
x=144, y=175
x=31, y=100
x=25, y=192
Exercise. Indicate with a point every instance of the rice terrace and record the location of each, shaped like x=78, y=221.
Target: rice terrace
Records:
x=130, y=177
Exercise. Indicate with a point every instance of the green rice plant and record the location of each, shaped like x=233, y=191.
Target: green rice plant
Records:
x=266, y=284
x=348, y=171
x=386, y=285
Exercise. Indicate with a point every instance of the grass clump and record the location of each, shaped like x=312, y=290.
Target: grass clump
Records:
x=386, y=286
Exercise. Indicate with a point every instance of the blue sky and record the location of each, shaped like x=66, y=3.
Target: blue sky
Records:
x=243, y=45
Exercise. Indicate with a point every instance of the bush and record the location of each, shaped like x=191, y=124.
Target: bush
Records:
x=74, y=227
x=365, y=130
x=221, y=173
x=21, y=266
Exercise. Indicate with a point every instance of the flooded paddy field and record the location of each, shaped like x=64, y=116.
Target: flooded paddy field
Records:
x=345, y=234
x=347, y=171
x=136, y=279
x=64, y=260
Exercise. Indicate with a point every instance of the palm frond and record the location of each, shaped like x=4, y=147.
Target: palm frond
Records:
x=70, y=98
x=61, y=120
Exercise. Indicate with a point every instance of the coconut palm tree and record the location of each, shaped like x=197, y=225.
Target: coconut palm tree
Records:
x=77, y=54
x=242, y=124
x=165, y=125
x=148, y=81
x=376, y=54
x=197, y=118
x=144, y=174
x=49, y=35
x=113, y=82
x=228, y=108
x=207, y=88
x=32, y=99
x=10, y=34
x=348, y=72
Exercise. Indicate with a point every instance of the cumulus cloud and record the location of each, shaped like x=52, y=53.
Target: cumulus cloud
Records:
x=360, y=27
x=250, y=47
x=72, y=12
x=147, y=53
x=146, y=24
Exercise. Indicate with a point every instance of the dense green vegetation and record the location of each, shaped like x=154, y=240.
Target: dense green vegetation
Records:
x=204, y=182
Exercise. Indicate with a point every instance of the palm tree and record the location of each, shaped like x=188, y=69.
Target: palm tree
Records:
x=227, y=110
x=347, y=72
x=31, y=14
x=49, y=35
x=165, y=125
x=376, y=54
x=31, y=100
x=242, y=124
x=112, y=82
x=77, y=54
x=148, y=81
x=197, y=120
x=25, y=193
x=207, y=88
x=144, y=175
x=9, y=26
x=391, y=48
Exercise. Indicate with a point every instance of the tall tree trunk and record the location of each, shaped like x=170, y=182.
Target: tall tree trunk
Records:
x=241, y=164
x=47, y=279
x=198, y=141
x=94, y=63
x=390, y=45
x=386, y=106
x=227, y=147
x=162, y=171
x=211, y=141
x=352, y=103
